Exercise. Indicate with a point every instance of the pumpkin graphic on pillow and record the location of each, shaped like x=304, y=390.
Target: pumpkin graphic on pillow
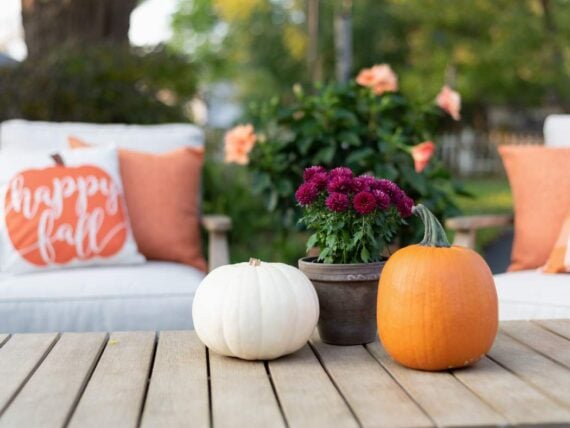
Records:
x=63, y=213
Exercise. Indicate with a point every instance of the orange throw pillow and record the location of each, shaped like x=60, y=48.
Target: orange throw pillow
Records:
x=559, y=260
x=162, y=194
x=540, y=181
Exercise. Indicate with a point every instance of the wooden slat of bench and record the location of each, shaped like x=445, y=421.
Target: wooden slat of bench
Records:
x=540, y=339
x=18, y=359
x=375, y=398
x=178, y=390
x=560, y=327
x=519, y=402
x=48, y=397
x=113, y=397
x=446, y=400
x=550, y=377
x=242, y=395
x=307, y=395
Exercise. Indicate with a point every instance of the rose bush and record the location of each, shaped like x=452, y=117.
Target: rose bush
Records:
x=354, y=219
x=366, y=125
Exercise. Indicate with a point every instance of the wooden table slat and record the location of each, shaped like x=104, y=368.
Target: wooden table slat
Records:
x=497, y=386
x=446, y=400
x=307, y=395
x=178, y=390
x=115, y=392
x=242, y=395
x=560, y=327
x=18, y=359
x=540, y=339
x=49, y=395
x=375, y=398
x=550, y=377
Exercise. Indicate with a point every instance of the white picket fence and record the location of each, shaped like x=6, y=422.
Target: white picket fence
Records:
x=470, y=153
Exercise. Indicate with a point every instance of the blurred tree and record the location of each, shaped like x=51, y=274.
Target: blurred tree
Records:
x=99, y=84
x=493, y=51
x=49, y=24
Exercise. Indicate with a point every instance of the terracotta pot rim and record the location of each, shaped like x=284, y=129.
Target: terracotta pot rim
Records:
x=345, y=273
x=309, y=260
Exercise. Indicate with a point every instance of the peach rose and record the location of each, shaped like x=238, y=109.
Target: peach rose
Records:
x=449, y=101
x=422, y=153
x=380, y=78
x=238, y=142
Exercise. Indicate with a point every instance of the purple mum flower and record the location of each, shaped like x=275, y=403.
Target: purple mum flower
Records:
x=340, y=183
x=382, y=199
x=387, y=186
x=364, y=202
x=363, y=183
x=320, y=179
x=337, y=202
x=306, y=193
x=405, y=205
x=310, y=172
x=341, y=171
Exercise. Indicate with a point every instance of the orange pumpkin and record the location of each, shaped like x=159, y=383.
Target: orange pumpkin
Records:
x=437, y=304
x=60, y=213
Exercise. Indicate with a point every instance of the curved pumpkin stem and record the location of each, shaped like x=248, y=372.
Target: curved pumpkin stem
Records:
x=434, y=234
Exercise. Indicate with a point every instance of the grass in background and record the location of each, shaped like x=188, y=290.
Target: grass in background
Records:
x=491, y=196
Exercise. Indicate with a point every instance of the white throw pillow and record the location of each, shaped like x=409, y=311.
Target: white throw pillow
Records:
x=63, y=210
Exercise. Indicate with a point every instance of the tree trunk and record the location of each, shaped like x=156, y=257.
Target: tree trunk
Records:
x=343, y=40
x=313, y=60
x=50, y=24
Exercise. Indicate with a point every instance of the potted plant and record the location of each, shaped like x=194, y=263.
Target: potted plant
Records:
x=353, y=220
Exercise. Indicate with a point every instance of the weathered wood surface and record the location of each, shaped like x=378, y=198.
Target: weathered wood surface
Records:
x=49, y=396
x=442, y=396
x=306, y=393
x=376, y=399
x=178, y=390
x=242, y=394
x=115, y=393
x=171, y=379
x=19, y=357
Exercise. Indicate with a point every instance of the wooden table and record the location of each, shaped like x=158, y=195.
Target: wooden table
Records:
x=171, y=379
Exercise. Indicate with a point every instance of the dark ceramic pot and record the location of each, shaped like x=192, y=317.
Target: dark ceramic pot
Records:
x=347, y=298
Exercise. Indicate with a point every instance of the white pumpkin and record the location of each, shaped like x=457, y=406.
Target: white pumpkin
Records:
x=255, y=310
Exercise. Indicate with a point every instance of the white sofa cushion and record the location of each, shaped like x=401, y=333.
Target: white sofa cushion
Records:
x=151, y=296
x=557, y=130
x=531, y=294
x=30, y=135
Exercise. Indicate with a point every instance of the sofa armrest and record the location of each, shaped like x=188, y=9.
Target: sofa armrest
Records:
x=217, y=227
x=466, y=227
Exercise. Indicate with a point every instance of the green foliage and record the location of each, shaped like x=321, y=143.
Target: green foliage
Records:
x=347, y=125
x=493, y=51
x=348, y=237
x=102, y=84
x=255, y=231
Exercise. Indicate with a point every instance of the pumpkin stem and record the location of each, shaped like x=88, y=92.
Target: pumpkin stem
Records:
x=254, y=262
x=58, y=159
x=434, y=234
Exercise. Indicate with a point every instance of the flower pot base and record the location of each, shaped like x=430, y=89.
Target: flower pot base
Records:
x=347, y=299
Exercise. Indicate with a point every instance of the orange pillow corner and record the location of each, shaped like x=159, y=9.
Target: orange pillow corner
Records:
x=539, y=177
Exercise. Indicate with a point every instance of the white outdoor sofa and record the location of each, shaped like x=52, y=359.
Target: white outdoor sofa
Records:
x=527, y=294
x=153, y=296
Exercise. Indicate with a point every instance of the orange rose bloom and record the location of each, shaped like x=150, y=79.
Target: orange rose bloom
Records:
x=380, y=78
x=422, y=153
x=238, y=142
x=449, y=101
